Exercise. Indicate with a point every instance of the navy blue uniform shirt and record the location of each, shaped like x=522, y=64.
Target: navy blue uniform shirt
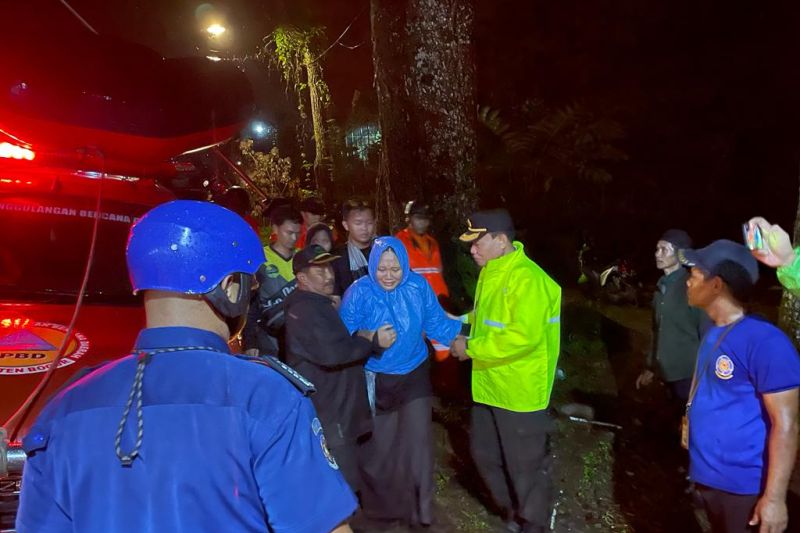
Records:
x=229, y=445
x=728, y=423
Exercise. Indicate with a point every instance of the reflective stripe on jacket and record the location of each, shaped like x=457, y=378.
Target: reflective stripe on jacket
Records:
x=516, y=333
x=425, y=259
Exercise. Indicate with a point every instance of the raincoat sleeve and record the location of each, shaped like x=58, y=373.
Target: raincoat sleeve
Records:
x=437, y=325
x=351, y=313
x=532, y=323
x=789, y=275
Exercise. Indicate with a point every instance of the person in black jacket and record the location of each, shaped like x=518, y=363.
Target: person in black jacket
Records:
x=319, y=346
x=358, y=220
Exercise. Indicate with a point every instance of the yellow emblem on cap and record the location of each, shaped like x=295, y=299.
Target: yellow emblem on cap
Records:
x=472, y=233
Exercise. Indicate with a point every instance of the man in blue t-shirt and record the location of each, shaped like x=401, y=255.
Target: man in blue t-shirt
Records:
x=743, y=404
x=182, y=436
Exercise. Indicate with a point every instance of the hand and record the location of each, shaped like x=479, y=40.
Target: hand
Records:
x=252, y=352
x=366, y=334
x=777, y=249
x=644, y=379
x=386, y=336
x=771, y=514
x=459, y=348
x=337, y=300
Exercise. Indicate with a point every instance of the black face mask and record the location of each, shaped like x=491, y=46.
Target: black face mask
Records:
x=233, y=312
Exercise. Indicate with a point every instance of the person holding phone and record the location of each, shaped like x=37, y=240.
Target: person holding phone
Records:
x=775, y=251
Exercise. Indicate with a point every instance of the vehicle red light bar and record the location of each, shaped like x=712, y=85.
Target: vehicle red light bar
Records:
x=13, y=151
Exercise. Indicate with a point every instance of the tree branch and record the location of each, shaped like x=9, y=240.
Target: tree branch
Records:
x=342, y=35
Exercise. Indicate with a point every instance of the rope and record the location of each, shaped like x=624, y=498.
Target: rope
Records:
x=136, y=395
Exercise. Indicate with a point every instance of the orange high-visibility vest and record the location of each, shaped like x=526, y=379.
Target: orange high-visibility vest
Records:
x=424, y=259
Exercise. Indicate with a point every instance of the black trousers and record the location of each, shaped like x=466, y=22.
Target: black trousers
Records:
x=511, y=452
x=397, y=465
x=727, y=512
x=346, y=455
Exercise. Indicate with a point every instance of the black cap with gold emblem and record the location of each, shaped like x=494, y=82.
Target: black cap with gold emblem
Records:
x=482, y=222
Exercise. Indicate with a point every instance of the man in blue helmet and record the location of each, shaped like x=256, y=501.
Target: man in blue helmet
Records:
x=181, y=436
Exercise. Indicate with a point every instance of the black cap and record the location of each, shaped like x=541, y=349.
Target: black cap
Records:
x=677, y=238
x=709, y=258
x=312, y=205
x=483, y=222
x=415, y=207
x=313, y=255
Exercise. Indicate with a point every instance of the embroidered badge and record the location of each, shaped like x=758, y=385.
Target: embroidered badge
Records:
x=316, y=427
x=724, y=367
x=328, y=455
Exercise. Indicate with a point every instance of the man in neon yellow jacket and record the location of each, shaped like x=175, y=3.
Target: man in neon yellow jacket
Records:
x=514, y=344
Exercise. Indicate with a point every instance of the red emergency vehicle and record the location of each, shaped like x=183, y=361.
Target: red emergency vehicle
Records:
x=93, y=133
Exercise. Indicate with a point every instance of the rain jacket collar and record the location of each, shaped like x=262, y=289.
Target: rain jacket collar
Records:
x=505, y=261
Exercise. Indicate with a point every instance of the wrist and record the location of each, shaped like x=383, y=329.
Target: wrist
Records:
x=774, y=496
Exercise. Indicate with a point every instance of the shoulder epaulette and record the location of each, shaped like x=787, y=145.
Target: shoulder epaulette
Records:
x=302, y=384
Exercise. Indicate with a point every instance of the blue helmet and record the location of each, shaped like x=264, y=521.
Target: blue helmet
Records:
x=189, y=247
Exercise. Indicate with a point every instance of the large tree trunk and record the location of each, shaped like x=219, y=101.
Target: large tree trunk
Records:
x=425, y=82
x=323, y=167
x=789, y=316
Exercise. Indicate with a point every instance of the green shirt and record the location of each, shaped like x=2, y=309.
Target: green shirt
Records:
x=677, y=328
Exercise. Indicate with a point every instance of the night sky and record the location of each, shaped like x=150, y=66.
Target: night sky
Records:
x=707, y=93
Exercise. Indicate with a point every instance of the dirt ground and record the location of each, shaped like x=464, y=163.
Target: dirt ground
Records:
x=631, y=479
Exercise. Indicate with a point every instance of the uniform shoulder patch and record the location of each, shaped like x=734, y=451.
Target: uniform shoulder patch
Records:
x=302, y=384
x=316, y=427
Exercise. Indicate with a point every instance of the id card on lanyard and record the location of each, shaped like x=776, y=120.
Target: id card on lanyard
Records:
x=696, y=380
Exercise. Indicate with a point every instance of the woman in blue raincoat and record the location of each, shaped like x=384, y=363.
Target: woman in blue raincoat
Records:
x=397, y=461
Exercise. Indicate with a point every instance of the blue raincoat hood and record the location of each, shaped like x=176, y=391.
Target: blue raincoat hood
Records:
x=380, y=245
x=411, y=308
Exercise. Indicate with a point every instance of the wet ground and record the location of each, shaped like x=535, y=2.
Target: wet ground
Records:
x=631, y=479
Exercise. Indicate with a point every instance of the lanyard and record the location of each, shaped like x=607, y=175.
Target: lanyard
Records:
x=696, y=376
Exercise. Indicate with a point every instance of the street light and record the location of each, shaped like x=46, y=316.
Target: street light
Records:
x=261, y=129
x=215, y=30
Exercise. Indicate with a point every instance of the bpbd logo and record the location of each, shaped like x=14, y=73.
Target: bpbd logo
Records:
x=28, y=347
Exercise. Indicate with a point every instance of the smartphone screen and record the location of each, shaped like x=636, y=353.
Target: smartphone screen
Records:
x=752, y=236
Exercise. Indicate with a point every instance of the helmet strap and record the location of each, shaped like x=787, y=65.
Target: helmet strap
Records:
x=234, y=312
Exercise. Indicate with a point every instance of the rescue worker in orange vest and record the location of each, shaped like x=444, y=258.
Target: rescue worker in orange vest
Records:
x=423, y=255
